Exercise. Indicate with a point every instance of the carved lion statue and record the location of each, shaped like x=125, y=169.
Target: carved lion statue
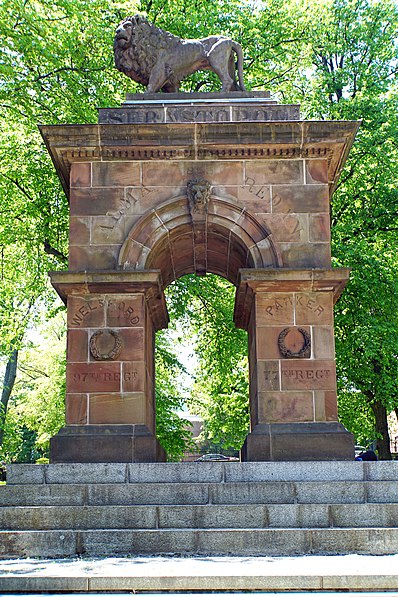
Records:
x=160, y=60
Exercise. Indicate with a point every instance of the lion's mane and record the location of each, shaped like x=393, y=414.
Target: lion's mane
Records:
x=137, y=59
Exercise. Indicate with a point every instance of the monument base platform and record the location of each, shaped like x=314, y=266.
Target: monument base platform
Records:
x=298, y=441
x=105, y=443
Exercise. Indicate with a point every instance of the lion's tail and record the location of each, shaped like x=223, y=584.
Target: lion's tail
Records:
x=237, y=48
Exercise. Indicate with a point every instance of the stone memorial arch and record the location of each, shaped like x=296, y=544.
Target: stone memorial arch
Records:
x=232, y=184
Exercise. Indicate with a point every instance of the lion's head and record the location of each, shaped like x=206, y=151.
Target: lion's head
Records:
x=137, y=44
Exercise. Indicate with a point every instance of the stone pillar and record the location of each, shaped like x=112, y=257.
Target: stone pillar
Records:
x=293, y=403
x=110, y=403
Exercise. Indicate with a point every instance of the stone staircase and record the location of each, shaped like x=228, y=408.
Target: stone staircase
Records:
x=256, y=509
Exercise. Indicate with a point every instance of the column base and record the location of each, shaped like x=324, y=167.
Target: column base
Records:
x=105, y=443
x=298, y=441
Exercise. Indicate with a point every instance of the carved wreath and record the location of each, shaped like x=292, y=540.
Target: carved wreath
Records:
x=305, y=350
x=112, y=354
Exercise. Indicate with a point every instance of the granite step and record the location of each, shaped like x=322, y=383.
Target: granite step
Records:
x=199, y=517
x=201, y=472
x=271, y=492
x=308, y=575
x=238, y=542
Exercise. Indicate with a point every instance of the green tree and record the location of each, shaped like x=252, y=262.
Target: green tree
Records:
x=202, y=307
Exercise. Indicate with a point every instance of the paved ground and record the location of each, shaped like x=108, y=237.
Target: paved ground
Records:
x=302, y=573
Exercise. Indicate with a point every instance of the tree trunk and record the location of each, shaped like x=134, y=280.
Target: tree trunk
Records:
x=382, y=443
x=9, y=380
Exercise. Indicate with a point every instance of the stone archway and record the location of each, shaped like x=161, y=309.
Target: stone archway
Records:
x=222, y=240
x=246, y=198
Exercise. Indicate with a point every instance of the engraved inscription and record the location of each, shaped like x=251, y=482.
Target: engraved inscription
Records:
x=298, y=374
x=103, y=376
x=260, y=192
x=197, y=115
x=85, y=310
x=277, y=305
x=120, y=309
x=310, y=304
x=116, y=215
x=131, y=116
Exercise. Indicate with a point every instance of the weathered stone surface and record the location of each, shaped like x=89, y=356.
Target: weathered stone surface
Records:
x=128, y=408
x=274, y=172
x=80, y=174
x=86, y=473
x=76, y=409
x=148, y=493
x=259, y=110
x=37, y=544
x=190, y=472
x=277, y=407
x=115, y=174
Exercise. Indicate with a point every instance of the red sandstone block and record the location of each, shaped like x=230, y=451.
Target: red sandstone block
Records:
x=98, y=202
x=125, y=311
x=84, y=312
x=133, y=376
x=285, y=407
x=274, y=308
x=79, y=231
x=76, y=409
x=160, y=174
x=325, y=406
x=308, y=374
x=319, y=228
x=267, y=341
x=292, y=228
x=132, y=344
x=80, y=174
x=92, y=377
x=107, y=230
x=323, y=342
x=314, y=308
x=300, y=199
x=305, y=255
x=268, y=377
x=97, y=258
x=77, y=346
x=117, y=409
x=316, y=171
x=274, y=172
x=116, y=174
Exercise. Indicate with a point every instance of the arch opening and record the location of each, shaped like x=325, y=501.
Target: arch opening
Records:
x=217, y=387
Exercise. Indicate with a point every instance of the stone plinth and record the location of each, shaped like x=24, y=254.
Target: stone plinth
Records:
x=171, y=184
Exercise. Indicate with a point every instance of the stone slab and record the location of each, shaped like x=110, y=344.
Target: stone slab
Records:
x=202, y=472
x=177, y=472
x=295, y=471
x=185, y=111
x=305, y=573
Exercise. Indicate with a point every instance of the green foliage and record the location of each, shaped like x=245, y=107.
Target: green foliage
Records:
x=202, y=307
x=172, y=429
x=37, y=408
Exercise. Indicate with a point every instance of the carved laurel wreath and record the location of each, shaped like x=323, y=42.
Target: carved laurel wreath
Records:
x=105, y=356
x=305, y=350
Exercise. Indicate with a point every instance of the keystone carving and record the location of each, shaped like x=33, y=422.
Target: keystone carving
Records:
x=198, y=192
